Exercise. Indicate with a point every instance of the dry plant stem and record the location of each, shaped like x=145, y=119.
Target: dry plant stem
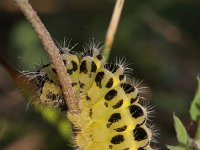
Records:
x=53, y=53
x=113, y=27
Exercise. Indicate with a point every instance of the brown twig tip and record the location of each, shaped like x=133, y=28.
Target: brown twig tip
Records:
x=113, y=27
x=20, y=1
x=53, y=53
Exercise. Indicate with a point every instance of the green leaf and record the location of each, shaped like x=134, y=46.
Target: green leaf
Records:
x=195, y=106
x=197, y=135
x=181, y=132
x=175, y=147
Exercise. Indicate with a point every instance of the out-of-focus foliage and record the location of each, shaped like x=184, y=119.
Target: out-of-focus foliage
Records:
x=195, y=110
x=181, y=134
x=180, y=131
x=186, y=142
x=195, y=107
x=160, y=39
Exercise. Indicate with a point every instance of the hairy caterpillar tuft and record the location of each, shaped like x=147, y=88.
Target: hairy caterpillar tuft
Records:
x=111, y=114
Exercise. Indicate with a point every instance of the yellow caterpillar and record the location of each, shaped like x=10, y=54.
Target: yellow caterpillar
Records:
x=111, y=116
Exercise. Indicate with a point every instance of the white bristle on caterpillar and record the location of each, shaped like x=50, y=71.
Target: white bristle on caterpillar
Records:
x=111, y=115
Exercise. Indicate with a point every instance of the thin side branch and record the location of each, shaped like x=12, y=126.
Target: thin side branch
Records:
x=113, y=27
x=53, y=53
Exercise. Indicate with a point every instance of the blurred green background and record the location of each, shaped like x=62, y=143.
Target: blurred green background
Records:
x=160, y=39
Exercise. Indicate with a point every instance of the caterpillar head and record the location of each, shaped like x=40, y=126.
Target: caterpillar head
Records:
x=48, y=72
x=51, y=96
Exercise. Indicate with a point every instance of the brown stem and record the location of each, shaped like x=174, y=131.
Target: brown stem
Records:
x=113, y=27
x=53, y=53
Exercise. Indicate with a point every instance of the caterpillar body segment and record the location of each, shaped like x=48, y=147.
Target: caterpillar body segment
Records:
x=72, y=65
x=104, y=80
x=134, y=139
x=111, y=117
x=114, y=100
x=116, y=123
x=88, y=69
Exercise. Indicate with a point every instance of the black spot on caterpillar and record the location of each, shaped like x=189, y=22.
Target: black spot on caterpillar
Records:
x=118, y=105
x=83, y=67
x=99, y=77
x=121, y=129
x=117, y=139
x=110, y=95
x=139, y=134
x=114, y=117
x=93, y=67
x=110, y=83
x=128, y=88
x=135, y=111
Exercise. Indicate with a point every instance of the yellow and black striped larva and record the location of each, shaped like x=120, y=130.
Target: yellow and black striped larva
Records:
x=111, y=117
